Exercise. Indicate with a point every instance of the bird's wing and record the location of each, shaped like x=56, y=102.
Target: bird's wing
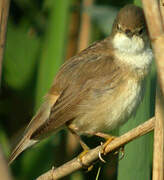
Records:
x=82, y=75
x=77, y=81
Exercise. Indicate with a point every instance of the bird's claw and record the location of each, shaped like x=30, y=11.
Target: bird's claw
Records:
x=101, y=151
x=121, y=150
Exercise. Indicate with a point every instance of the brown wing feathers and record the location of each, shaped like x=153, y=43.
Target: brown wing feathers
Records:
x=73, y=84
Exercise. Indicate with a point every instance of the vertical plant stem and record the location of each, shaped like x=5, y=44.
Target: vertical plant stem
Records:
x=158, y=168
x=84, y=35
x=155, y=25
x=155, y=22
x=4, y=9
x=5, y=174
x=158, y=159
x=74, y=27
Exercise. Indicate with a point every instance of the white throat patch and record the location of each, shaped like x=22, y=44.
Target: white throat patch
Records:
x=129, y=45
x=132, y=51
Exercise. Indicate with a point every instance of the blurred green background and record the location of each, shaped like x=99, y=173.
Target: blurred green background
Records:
x=41, y=35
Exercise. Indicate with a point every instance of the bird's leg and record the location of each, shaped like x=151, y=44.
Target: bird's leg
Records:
x=82, y=143
x=107, y=137
x=85, y=150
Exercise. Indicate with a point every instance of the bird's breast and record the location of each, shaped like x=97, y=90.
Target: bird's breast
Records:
x=124, y=104
x=111, y=109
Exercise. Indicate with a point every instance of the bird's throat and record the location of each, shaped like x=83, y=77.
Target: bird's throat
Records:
x=132, y=51
x=123, y=43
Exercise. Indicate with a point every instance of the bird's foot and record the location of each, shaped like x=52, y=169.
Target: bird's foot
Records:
x=122, y=151
x=108, y=139
x=85, y=150
x=103, y=152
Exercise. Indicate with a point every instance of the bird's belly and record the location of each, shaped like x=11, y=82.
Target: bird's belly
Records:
x=123, y=107
x=110, y=111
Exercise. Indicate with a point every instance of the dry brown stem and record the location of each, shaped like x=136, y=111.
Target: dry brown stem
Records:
x=154, y=11
x=4, y=171
x=4, y=8
x=158, y=139
x=73, y=30
x=85, y=28
x=155, y=26
x=93, y=154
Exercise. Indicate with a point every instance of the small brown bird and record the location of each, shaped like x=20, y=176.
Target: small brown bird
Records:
x=99, y=88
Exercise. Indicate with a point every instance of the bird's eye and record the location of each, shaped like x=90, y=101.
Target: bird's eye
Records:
x=141, y=31
x=118, y=27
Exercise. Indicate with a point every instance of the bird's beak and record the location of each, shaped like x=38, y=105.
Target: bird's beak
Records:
x=129, y=33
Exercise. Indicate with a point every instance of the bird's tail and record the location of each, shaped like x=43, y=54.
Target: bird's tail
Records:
x=39, y=119
x=23, y=144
